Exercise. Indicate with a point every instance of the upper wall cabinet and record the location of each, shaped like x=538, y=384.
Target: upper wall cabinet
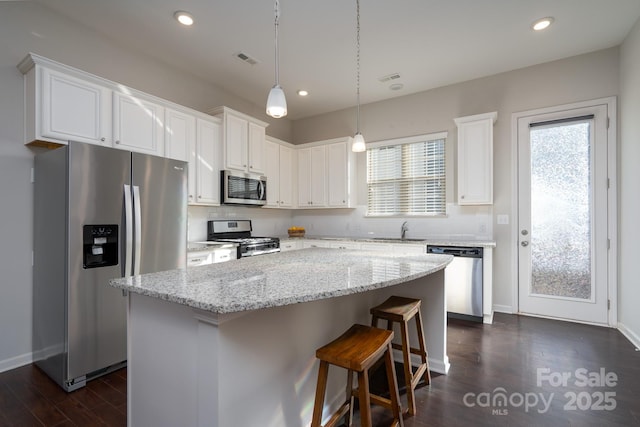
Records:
x=243, y=140
x=179, y=134
x=475, y=159
x=196, y=139
x=326, y=174
x=138, y=124
x=279, y=173
x=62, y=107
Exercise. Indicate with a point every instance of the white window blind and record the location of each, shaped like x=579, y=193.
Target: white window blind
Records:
x=407, y=176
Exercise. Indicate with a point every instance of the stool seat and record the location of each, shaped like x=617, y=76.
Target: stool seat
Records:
x=397, y=309
x=401, y=310
x=357, y=350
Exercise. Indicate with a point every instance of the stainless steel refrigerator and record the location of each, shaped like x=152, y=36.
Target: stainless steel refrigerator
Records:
x=100, y=213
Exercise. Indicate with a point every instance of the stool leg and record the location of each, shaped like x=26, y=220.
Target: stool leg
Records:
x=374, y=321
x=423, y=348
x=408, y=372
x=349, y=416
x=318, y=405
x=363, y=397
x=393, y=386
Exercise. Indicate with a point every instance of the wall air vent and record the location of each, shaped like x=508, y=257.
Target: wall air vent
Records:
x=389, y=77
x=246, y=58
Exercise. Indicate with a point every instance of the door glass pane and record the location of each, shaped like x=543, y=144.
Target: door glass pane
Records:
x=561, y=210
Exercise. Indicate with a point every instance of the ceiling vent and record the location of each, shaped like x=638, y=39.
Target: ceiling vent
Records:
x=246, y=58
x=389, y=77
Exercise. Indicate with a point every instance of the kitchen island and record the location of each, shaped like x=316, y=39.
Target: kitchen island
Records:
x=233, y=344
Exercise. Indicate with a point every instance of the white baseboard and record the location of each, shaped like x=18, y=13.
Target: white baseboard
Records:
x=503, y=309
x=16, y=362
x=631, y=335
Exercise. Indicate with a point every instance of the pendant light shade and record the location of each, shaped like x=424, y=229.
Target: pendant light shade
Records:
x=358, y=144
x=276, y=102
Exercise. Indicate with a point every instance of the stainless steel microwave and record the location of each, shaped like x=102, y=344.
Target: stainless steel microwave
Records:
x=239, y=188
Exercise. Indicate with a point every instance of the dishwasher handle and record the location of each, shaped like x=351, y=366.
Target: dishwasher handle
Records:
x=467, y=252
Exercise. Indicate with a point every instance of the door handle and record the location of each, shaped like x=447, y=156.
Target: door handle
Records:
x=138, y=230
x=128, y=234
x=524, y=243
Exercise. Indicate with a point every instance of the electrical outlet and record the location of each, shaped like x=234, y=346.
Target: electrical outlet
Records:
x=503, y=219
x=482, y=228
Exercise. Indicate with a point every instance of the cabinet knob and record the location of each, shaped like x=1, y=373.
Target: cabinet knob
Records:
x=118, y=142
x=250, y=166
x=102, y=139
x=244, y=166
x=462, y=197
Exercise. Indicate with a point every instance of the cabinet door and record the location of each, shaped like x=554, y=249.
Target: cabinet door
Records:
x=272, y=157
x=318, y=176
x=179, y=134
x=475, y=159
x=138, y=125
x=304, y=177
x=338, y=174
x=286, y=177
x=73, y=109
x=256, y=148
x=236, y=141
x=209, y=140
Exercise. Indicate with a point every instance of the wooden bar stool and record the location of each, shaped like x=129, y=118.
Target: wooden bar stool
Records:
x=357, y=350
x=401, y=310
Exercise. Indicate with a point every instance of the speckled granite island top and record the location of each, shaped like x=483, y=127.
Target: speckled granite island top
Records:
x=282, y=279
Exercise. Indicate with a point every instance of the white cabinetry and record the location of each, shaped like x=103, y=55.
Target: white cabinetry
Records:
x=312, y=177
x=138, y=124
x=179, y=134
x=475, y=159
x=205, y=163
x=340, y=171
x=279, y=172
x=243, y=140
x=326, y=174
x=196, y=139
x=62, y=107
x=290, y=245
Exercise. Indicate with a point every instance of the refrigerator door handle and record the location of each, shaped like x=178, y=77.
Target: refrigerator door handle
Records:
x=138, y=229
x=128, y=217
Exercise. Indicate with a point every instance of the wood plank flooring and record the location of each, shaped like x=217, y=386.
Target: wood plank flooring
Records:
x=486, y=360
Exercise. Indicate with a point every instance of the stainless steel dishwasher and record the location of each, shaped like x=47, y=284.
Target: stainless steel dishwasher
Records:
x=463, y=281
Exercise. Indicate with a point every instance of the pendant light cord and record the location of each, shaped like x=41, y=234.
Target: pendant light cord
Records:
x=277, y=19
x=358, y=66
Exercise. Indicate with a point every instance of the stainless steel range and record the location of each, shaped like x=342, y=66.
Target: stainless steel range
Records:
x=239, y=232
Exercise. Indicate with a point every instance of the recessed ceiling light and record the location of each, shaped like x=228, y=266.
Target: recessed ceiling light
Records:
x=543, y=23
x=185, y=18
x=303, y=92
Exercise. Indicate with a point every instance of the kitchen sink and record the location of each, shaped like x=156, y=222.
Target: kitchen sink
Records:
x=396, y=240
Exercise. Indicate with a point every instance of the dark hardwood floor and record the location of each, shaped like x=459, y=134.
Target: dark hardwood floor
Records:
x=487, y=362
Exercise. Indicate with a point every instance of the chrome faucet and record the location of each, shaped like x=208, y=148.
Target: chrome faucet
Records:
x=403, y=230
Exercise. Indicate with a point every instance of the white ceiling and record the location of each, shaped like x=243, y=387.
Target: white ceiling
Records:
x=430, y=43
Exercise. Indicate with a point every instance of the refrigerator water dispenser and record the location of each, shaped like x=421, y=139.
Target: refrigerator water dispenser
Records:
x=99, y=245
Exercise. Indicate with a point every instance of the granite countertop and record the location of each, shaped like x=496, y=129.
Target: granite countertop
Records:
x=440, y=240
x=283, y=278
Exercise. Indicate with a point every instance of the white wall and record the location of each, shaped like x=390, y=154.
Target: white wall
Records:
x=629, y=200
x=589, y=76
x=29, y=27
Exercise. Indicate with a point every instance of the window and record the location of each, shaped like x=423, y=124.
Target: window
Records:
x=407, y=176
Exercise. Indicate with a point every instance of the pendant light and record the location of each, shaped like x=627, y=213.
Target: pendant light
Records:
x=276, y=102
x=358, y=145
